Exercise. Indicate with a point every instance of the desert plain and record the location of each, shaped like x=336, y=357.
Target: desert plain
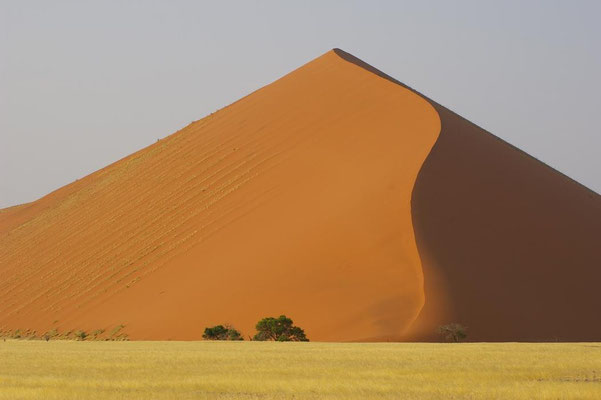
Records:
x=267, y=370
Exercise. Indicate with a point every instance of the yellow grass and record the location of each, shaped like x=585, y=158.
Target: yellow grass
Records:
x=253, y=370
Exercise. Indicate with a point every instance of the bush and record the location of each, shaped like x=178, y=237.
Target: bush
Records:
x=279, y=329
x=453, y=332
x=220, y=332
x=116, y=330
x=97, y=333
x=50, y=334
x=81, y=335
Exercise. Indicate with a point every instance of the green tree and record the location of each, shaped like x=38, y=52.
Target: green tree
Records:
x=453, y=332
x=279, y=329
x=220, y=332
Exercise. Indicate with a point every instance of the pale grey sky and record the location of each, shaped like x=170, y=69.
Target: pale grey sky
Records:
x=84, y=83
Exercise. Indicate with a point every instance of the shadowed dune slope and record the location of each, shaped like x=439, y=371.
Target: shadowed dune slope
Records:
x=510, y=247
x=515, y=244
x=295, y=199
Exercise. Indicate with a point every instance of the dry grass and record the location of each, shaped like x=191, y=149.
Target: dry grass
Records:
x=253, y=370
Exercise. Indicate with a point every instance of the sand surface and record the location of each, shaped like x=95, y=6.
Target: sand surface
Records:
x=295, y=199
x=516, y=244
x=335, y=195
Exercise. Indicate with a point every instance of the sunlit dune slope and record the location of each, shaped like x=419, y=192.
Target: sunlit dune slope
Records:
x=295, y=199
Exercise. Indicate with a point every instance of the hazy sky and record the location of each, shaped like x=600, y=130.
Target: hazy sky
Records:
x=85, y=83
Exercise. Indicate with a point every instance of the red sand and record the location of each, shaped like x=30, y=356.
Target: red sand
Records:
x=312, y=197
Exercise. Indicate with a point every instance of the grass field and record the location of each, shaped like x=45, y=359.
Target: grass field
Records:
x=254, y=370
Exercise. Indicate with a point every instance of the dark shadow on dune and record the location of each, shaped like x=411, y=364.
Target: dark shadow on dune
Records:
x=516, y=243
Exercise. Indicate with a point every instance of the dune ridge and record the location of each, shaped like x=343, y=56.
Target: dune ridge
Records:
x=337, y=195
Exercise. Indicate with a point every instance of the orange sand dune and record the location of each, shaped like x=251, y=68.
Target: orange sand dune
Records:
x=335, y=195
x=295, y=199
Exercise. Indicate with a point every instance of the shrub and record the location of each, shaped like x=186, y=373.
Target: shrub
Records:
x=220, y=332
x=97, y=333
x=116, y=330
x=280, y=329
x=123, y=337
x=81, y=335
x=453, y=332
x=50, y=334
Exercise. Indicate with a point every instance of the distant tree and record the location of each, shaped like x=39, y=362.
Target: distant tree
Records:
x=220, y=332
x=453, y=332
x=81, y=335
x=279, y=329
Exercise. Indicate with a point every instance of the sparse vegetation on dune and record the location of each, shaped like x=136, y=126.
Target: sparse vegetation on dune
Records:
x=54, y=334
x=266, y=370
x=81, y=335
x=454, y=332
x=97, y=333
x=114, y=333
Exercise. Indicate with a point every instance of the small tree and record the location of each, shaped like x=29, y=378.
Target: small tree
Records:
x=220, y=332
x=279, y=329
x=453, y=332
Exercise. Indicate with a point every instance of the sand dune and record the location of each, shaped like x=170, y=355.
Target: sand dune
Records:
x=336, y=195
